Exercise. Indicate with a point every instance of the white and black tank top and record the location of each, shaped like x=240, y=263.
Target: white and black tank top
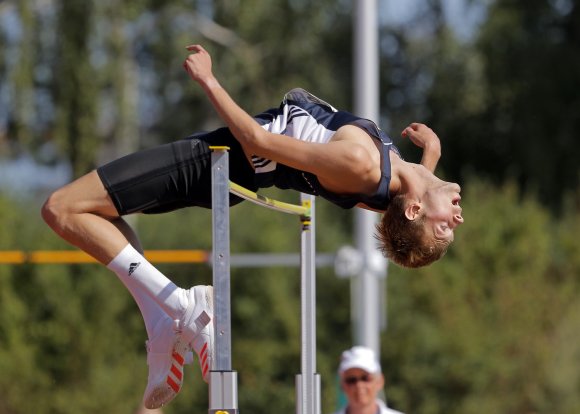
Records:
x=303, y=116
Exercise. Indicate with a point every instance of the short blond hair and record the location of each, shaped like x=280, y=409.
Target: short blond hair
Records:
x=403, y=241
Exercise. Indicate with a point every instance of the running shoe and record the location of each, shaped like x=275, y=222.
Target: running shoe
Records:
x=166, y=355
x=169, y=349
x=197, y=327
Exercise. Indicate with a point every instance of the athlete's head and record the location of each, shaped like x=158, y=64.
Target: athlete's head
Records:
x=416, y=232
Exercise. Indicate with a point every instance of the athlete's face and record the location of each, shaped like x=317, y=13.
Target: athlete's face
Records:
x=442, y=210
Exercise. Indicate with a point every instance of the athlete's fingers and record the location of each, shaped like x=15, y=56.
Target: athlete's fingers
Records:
x=195, y=48
x=407, y=132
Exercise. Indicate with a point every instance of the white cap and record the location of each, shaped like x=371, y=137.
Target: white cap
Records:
x=359, y=357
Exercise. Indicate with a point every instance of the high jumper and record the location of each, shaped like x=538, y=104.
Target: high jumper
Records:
x=305, y=144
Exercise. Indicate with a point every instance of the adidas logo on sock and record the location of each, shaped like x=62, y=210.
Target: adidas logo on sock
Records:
x=133, y=267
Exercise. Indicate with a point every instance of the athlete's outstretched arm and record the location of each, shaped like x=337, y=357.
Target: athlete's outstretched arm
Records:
x=424, y=137
x=327, y=161
x=243, y=126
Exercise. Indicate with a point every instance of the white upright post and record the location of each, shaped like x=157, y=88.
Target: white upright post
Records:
x=365, y=287
x=223, y=389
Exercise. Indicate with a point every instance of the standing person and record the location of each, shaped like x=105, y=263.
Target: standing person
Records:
x=305, y=145
x=362, y=380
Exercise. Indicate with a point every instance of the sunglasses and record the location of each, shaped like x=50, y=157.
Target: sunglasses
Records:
x=354, y=380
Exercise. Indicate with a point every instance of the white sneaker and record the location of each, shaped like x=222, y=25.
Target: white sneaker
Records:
x=197, y=327
x=167, y=352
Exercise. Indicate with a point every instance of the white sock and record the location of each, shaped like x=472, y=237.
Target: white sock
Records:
x=150, y=310
x=140, y=276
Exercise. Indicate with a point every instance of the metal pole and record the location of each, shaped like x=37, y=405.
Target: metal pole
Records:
x=223, y=386
x=308, y=381
x=365, y=287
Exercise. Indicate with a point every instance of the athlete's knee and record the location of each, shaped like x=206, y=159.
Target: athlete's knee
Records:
x=70, y=203
x=55, y=209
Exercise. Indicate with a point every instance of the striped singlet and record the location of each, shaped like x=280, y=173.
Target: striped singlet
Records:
x=303, y=116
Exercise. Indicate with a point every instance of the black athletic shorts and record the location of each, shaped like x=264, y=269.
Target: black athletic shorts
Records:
x=173, y=176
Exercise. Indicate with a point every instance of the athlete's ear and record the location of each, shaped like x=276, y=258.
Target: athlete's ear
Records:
x=413, y=210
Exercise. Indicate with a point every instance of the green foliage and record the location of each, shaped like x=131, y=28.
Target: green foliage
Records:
x=46, y=349
x=523, y=112
x=502, y=106
x=481, y=330
x=76, y=89
x=22, y=80
x=493, y=327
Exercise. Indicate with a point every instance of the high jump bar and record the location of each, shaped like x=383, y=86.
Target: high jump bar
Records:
x=301, y=210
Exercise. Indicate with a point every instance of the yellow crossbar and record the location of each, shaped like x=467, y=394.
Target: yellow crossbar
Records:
x=303, y=210
x=77, y=256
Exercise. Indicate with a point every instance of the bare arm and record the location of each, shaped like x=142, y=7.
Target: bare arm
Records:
x=342, y=159
x=243, y=126
x=424, y=137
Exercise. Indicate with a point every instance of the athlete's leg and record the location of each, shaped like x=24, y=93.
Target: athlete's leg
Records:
x=81, y=213
x=84, y=214
x=151, y=311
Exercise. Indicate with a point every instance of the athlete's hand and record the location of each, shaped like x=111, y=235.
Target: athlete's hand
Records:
x=421, y=135
x=198, y=64
x=424, y=137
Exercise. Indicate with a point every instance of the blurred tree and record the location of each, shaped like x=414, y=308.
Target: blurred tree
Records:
x=502, y=106
x=69, y=335
x=120, y=94
x=21, y=129
x=76, y=86
x=506, y=108
x=531, y=114
x=480, y=331
x=490, y=328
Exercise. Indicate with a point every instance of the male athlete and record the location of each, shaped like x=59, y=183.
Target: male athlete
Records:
x=305, y=145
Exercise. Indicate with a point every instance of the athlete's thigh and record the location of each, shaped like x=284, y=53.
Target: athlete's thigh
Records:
x=86, y=194
x=160, y=179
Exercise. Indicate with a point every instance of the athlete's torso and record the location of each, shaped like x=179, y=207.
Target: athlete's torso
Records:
x=303, y=116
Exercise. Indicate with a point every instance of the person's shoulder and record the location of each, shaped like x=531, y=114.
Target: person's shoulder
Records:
x=351, y=132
